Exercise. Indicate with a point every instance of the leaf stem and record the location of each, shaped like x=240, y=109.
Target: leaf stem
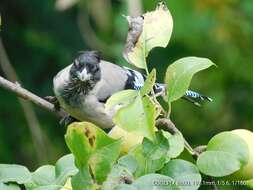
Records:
x=169, y=110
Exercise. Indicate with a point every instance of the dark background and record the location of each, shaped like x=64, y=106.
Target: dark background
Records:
x=40, y=39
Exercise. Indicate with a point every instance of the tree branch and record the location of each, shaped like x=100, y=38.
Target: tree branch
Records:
x=27, y=95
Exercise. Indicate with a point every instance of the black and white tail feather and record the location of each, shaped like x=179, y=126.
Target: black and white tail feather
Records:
x=196, y=98
x=136, y=81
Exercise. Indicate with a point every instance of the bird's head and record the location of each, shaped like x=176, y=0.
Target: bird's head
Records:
x=85, y=68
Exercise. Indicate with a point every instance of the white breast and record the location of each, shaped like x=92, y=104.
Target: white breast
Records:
x=61, y=79
x=88, y=108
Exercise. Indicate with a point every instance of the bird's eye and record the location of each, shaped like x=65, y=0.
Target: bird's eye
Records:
x=92, y=67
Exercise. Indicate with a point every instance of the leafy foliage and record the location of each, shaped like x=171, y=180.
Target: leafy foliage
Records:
x=53, y=177
x=226, y=153
x=96, y=163
x=9, y=187
x=46, y=177
x=14, y=173
x=151, y=181
x=184, y=173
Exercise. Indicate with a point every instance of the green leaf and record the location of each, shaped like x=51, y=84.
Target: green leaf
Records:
x=150, y=182
x=184, y=173
x=79, y=144
x=151, y=155
x=250, y=183
x=43, y=177
x=146, y=164
x=232, y=143
x=156, y=32
x=155, y=181
x=9, y=186
x=14, y=173
x=53, y=177
x=118, y=176
x=64, y=168
x=218, y=163
x=138, y=117
x=155, y=150
x=180, y=73
x=103, y=159
x=121, y=98
x=82, y=180
x=125, y=187
x=176, y=144
x=128, y=162
x=226, y=153
x=149, y=83
x=93, y=149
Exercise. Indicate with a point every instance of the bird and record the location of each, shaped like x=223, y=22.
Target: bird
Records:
x=83, y=87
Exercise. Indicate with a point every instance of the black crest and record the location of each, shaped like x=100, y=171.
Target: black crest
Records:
x=89, y=56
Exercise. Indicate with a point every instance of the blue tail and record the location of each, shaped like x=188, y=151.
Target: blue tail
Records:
x=196, y=98
x=193, y=97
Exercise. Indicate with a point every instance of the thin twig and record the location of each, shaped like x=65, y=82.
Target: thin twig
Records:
x=27, y=95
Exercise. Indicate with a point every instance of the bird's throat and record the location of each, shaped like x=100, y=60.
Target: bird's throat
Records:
x=75, y=89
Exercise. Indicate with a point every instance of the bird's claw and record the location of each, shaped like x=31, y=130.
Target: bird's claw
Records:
x=67, y=120
x=53, y=100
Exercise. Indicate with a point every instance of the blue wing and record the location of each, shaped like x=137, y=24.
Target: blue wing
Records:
x=135, y=79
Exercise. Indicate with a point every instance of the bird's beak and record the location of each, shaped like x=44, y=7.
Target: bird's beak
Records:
x=84, y=75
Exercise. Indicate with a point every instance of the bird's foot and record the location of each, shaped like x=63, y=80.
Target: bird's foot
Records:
x=53, y=100
x=67, y=120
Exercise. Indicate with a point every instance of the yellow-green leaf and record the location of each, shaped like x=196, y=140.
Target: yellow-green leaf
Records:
x=120, y=99
x=138, y=117
x=92, y=149
x=149, y=83
x=156, y=32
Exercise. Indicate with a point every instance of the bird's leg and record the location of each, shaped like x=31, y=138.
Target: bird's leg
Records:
x=53, y=100
x=67, y=120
